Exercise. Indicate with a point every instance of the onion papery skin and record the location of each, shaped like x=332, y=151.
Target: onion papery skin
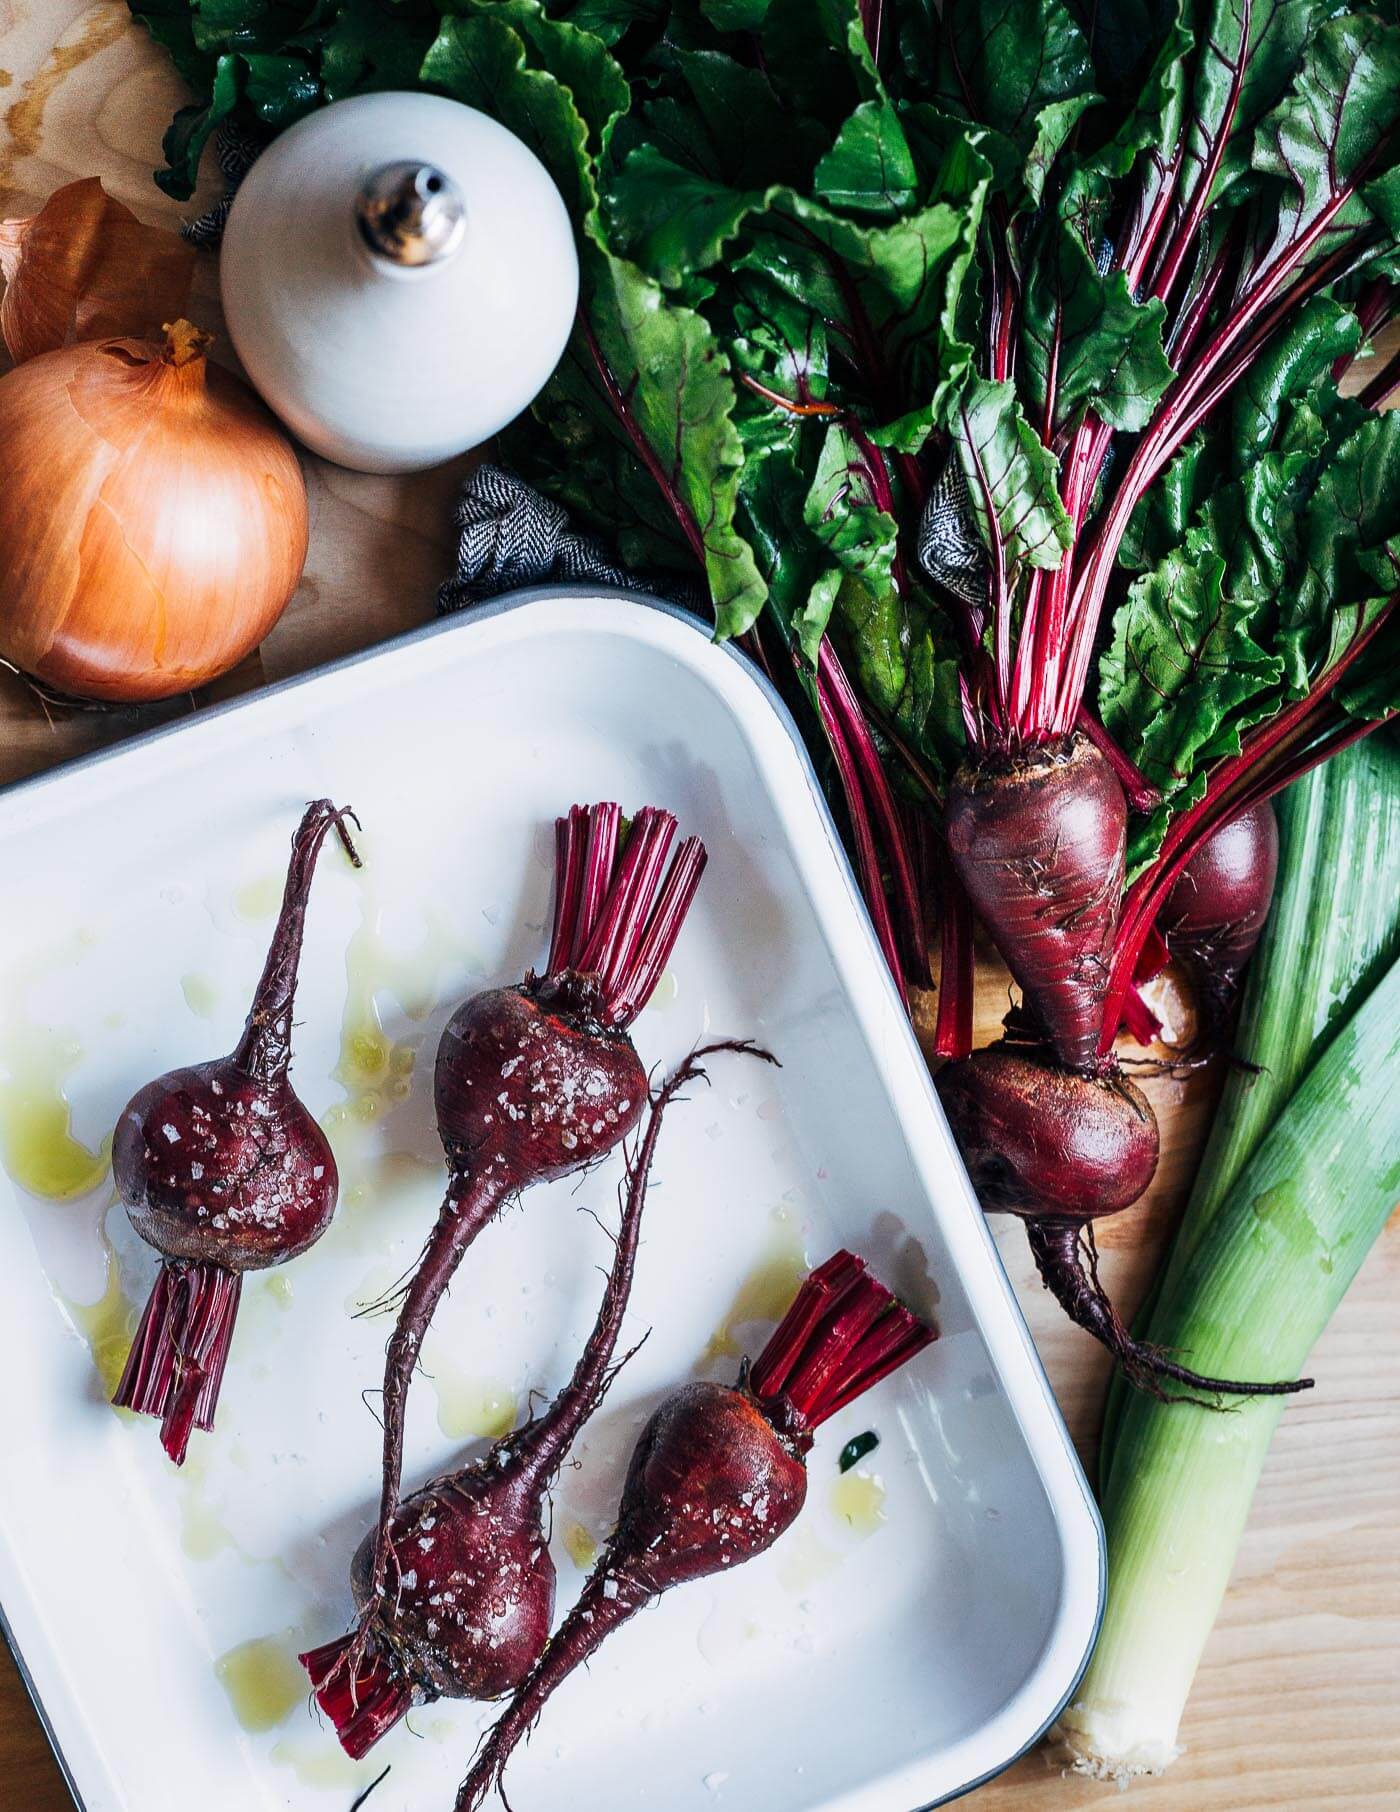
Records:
x=153, y=520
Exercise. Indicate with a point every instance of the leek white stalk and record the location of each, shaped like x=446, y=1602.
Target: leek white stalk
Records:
x=1255, y=1292
x=1333, y=930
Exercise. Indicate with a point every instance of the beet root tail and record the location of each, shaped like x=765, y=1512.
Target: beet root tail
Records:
x=1058, y=1249
x=1039, y=842
x=362, y=1696
x=266, y=1045
x=176, y=1363
x=605, y=1604
x=471, y=1202
x=537, y=1450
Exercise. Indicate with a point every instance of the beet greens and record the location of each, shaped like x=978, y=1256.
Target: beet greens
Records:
x=983, y=360
x=223, y=1170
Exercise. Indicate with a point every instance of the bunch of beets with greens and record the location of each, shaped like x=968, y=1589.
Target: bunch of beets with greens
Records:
x=984, y=358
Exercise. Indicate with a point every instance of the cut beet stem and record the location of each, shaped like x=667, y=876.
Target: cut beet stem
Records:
x=176, y=1363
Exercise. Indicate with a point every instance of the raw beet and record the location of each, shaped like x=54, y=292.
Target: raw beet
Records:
x=1038, y=839
x=1063, y=1151
x=473, y=1580
x=1038, y=1140
x=540, y=1080
x=223, y=1170
x=1216, y=911
x=718, y=1474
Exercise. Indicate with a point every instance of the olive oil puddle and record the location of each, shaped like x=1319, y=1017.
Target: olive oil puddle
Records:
x=37, y=1144
x=264, y=1681
x=375, y=1070
x=858, y=1502
x=767, y=1293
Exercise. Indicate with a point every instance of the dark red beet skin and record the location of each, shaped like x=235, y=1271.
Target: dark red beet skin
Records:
x=1063, y=1151
x=1038, y=840
x=1215, y=914
x=1037, y=1140
x=530, y=1082
x=223, y=1170
x=471, y=1595
x=536, y=1081
x=718, y=1474
x=213, y=1165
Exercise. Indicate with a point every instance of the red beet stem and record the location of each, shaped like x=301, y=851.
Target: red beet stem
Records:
x=618, y=915
x=362, y=1705
x=659, y=939
x=843, y=1334
x=1141, y=795
x=265, y=1049
x=570, y=857
x=904, y=882
x=952, y=1036
x=176, y=1363
x=1139, y=1021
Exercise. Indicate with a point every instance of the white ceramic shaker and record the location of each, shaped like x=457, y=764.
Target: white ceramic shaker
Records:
x=399, y=279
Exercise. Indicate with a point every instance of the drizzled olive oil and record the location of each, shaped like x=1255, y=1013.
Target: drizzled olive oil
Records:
x=37, y=1144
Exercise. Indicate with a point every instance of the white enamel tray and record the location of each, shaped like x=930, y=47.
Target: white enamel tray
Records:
x=916, y=1629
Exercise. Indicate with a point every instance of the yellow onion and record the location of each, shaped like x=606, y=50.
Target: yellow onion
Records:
x=152, y=518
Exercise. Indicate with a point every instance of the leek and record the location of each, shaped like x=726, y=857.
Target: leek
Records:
x=1334, y=927
x=1252, y=1296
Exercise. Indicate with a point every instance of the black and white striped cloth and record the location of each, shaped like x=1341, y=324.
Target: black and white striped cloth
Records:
x=236, y=150
x=508, y=535
x=949, y=548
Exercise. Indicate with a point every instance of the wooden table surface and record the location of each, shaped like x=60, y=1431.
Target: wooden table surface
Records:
x=1297, y=1704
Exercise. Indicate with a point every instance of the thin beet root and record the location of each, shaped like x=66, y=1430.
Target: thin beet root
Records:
x=1057, y=1246
x=1216, y=911
x=223, y=1170
x=473, y=1595
x=718, y=1474
x=1062, y=1152
x=541, y=1080
x=1038, y=840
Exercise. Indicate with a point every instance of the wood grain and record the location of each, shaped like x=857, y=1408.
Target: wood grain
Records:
x=1297, y=1705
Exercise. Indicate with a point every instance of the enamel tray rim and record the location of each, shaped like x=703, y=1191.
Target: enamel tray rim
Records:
x=52, y=1711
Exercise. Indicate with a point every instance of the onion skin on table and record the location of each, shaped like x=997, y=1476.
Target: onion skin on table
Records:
x=153, y=522
x=85, y=268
